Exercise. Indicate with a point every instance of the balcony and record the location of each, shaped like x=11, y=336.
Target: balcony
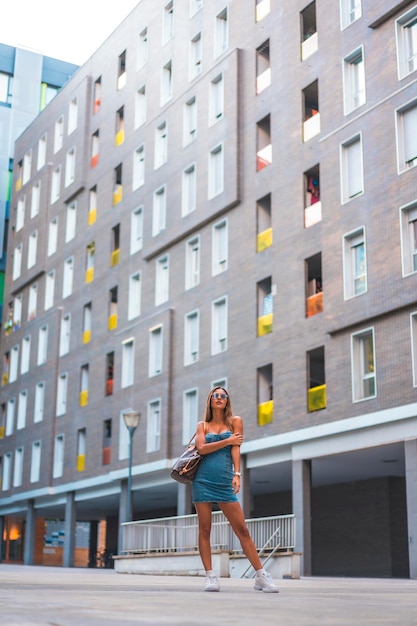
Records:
x=312, y=214
x=265, y=413
x=309, y=46
x=264, y=240
x=314, y=304
x=265, y=323
x=80, y=462
x=311, y=127
x=316, y=398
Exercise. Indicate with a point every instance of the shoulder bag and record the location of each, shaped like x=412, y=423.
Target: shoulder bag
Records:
x=186, y=466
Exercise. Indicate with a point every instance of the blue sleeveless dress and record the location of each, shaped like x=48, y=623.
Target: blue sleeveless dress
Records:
x=213, y=482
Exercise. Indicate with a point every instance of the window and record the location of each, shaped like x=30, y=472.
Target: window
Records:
x=18, y=467
x=221, y=33
x=120, y=127
x=27, y=167
x=14, y=362
x=53, y=236
x=265, y=305
x=263, y=143
x=142, y=55
x=354, y=81
x=17, y=261
x=20, y=213
x=113, y=306
x=61, y=400
x=87, y=322
x=97, y=95
x=189, y=190
x=81, y=449
x=263, y=223
x=6, y=82
x=191, y=337
x=65, y=335
x=219, y=247
x=22, y=409
x=406, y=30
x=70, y=227
x=153, y=426
x=262, y=8
x=189, y=414
x=196, y=56
x=123, y=438
x=263, y=67
x=363, y=365
x=89, y=262
x=42, y=345
x=115, y=245
x=58, y=466
x=128, y=363
x=135, y=296
x=216, y=99
x=192, y=262
x=58, y=134
x=10, y=417
x=314, y=285
x=162, y=280
x=84, y=384
x=350, y=11
x=32, y=301
x=159, y=211
x=109, y=373
x=309, y=39
x=118, y=184
x=216, y=172
x=354, y=267
x=7, y=468
x=351, y=169
x=155, y=351
x=190, y=121
x=166, y=83
x=92, y=206
x=32, y=249
x=219, y=326
x=72, y=116
x=95, y=148
x=406, y=126
x=121, y=70
x=56, y=184
x=161, y=145
x=107, y=436
x=311, y=115
x=49, y=289
x=265, y=392
x=312, y=203
x=25, y=361
x=68, y=277
x=36, y=199
x=413, y=323
x=408, y=222
x=41, y=152
x=136, y=230
x=17, y=309
x=168, y=22
x=39, y=402
x=35, y=463
x=140, y=107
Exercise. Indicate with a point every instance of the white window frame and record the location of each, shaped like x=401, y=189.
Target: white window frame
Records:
x=17, y=261
x=406, y=36
x=58, y=464
x=71, y=223
x=408, y=229
x=162, y=280
x=61, y=396
x=135, y=296
x=65, y=335
x=22, y=406
x=18, y=467
x=14, y=363
x=219, y=324
x=221, y=32
x=413, y=335
x=161, y=145
x=27, y=167
x=216, y=99
x=138, y=175
x=7, y=471
x=143, y=49
x=159, y=210
x=166, y=83
x=36, y=199
x=17, y=309
x=32, y=249
x=354, y=80
x=360, y=376
x=136, y=230
x=168, y=22
x=406, y=132
x=20, y=212
x=191, y=337
x=72, y=116
x=128, y=362
x=220, y=247
x=192, y=262
x=216, y=171
x=196, y=56
x=70, y=161
x=140, y=107
x=53, y=236
x=39, y=404
x=190, y=414
x=56, y=184
x=42, y=345
x=190, y=121
x=123, y=437
x=58, y=134
x=10, y=412
x=25, y=360
x=353, y=277
x=189, y=190
x=351, y=169
x=156, y=339
x=35, y=462
x=68, y=277
x=32, y=301
x=49, y=289
x=41, y=152
x=350, y=11
x=153, y=426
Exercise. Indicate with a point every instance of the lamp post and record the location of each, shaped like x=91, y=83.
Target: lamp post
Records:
x=131, y=419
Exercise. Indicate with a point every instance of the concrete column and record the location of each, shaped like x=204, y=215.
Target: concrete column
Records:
x=184, y=500
x=244, y=493
x=122, y=513
x=29, y=548
x=410, y=451
x=301, y=507
x=70, y=519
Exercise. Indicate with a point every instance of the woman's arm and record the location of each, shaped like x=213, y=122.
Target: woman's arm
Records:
x=234, y=440
x=235, y=452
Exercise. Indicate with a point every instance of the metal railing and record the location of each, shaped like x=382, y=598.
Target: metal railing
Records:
x=180, y=534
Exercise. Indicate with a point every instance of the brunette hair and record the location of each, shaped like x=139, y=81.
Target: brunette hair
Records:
x=228, y=413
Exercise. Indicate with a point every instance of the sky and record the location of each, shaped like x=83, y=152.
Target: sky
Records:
x=59, y=29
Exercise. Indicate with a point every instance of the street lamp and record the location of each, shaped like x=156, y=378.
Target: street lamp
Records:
x=131, y=419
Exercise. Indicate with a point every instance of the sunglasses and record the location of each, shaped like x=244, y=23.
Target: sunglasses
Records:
x=219, y=396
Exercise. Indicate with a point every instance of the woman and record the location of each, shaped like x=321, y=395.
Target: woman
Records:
x=219, y=438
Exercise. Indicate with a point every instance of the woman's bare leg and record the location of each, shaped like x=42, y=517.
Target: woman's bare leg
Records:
x=234, y=514
x=204, y=529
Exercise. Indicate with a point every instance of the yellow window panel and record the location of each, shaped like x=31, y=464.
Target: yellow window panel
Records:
x=89, y=275
x=2, y=430
x=112, y=322
x=117, y=194
x=115, y=257
x=92, y=215
x=265, y=323
x=119, y=138
x=84, y=398
x=87, y=336
x=316, y=398
x=5, y=379
x=80, y=462
x=265, y=413
x=264, y=240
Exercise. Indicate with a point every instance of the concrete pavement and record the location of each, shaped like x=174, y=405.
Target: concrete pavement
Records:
x=51, y=596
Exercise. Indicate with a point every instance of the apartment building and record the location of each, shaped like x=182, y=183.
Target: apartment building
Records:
x=226, y=194
x=28, y=81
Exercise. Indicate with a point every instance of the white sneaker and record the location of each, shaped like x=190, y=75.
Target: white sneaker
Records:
x=264, y=583
x=212, y=584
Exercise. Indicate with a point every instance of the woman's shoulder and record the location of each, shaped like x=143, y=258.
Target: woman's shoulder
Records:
x=236, y=421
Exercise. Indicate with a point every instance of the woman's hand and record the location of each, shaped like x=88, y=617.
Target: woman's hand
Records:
x=236, y=484
x=235, y=439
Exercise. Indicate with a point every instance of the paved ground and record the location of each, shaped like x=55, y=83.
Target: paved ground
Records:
x=51, y=596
